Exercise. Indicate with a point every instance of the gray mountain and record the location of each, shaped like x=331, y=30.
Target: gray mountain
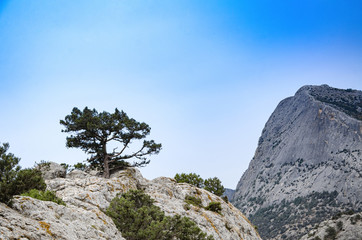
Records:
x=308, y=163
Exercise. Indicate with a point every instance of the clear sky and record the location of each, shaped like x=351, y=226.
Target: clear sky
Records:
x=205, y=75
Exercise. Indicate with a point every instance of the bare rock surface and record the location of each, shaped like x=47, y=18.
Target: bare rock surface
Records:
x=87, y=196
x=308, y=163
x=52, y=170
x=346, y=227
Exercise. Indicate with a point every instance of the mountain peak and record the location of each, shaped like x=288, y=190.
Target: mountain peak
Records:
x=309, y=156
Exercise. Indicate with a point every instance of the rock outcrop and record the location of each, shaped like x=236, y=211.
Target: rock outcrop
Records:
x=345, y=227
x=87, y=196
x=308, y=163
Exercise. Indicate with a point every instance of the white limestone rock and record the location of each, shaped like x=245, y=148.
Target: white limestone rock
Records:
x=51, y=170
x=230, y=224
x=87, y=196
x=35, y=219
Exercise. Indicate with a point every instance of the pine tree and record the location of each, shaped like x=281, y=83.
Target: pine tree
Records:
x=93, y=132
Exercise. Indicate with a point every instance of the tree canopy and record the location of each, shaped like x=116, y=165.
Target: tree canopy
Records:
x=135, y=215
x=13, y=179
x=211, y=184
x=94, y=132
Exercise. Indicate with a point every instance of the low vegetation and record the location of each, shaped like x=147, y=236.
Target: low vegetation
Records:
x=44, y=196
x=272, y=220
x=135, y=215
x=213, y=206
x=13, y=179
x=350, y=103
x=193, y=201
x=212, y=185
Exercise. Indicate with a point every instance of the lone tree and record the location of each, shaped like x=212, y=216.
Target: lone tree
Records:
x=94, y=132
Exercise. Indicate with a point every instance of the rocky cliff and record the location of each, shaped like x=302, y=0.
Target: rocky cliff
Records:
x=87, y=196
x=308, y=163
x=343, y=227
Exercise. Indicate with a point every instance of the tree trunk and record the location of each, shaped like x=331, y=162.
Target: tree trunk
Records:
x=106, y=167
x=105, y=161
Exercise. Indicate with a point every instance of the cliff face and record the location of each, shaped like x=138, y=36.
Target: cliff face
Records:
x=87, y=196
x=308, y=163
x=344, y=227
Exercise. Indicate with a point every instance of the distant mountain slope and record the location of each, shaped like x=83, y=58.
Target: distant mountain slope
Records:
x=229, y=193
x=343, y=227
x=308, y=163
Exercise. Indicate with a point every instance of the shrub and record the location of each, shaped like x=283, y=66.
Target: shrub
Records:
x=80, y=166
x=28, y=179
x=67, y=167
x=331, y=234
x=191, y=178
x=214, y=185
x=44, y=196
x=193, y=200
x=13, y=180
x=138, y=219
x=339, y=226
x=214, y=206
x=211, y=184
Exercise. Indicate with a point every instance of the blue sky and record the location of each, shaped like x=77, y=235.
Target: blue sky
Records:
x=205, y=75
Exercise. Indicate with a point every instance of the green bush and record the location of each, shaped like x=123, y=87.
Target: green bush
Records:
x=193, y=200
x=80, y=166
x=44, y=196
x=191, y=178
x=339, y=226
x=13, y=180
x=28, y=179
x=211, y=184
x=214, y=206
x=331, y=234
x=214, y=185
x=138, y=219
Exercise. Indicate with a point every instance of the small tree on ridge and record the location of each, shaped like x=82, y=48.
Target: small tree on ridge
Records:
x=93, y=132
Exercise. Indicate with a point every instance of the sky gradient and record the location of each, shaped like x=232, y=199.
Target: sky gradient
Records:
x=205, y=75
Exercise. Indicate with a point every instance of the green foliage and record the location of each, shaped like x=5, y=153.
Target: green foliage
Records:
x=211, y=184
x=214, y=206
x=331, y=234
x=8, y=173
x=67, y=167
x=28, y=179
x=44, y=196
x=13, y=180
x=347, y=102
x=355, y=219
x=94, y=131
x=138, y=219
x=193, y=201
x=271, y=219
x=339, y=226
x=191, y=178
x=80, y=166
x=214, y=185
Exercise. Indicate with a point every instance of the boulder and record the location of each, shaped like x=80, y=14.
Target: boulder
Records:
x=87, y=197
x=51, y=170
